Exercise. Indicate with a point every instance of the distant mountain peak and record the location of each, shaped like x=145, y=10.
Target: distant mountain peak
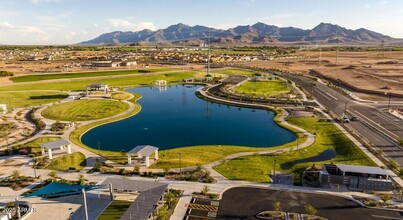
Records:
x=247, y=34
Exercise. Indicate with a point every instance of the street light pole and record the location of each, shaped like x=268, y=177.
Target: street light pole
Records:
x=345, y=108
x=390, y=96
x=34, y=168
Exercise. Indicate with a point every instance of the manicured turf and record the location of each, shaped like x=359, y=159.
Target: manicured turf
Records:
x=75, y=85
x=231, y=71
x=120, y=95
x=84, y=110
x=115, y=210
x=34, y=146
x=63, y=163
x=266, y=88
x=39, y=77
x=257, y=168
x=21, y=99
x=117, y=157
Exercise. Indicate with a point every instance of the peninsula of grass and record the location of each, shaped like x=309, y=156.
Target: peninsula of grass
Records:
x=22, y=99
x=118, y=157
x=120, y=95
x=33, y=147
x=84, y=110
x=40, y=77
x=264, y=89
x=257, y=168
x=115, y=210
x=121, y=81
x=75, y=160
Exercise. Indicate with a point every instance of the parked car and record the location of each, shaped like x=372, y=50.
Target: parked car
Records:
x=345, y=120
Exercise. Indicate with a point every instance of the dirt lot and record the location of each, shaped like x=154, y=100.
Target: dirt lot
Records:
x=366, y=70
x=6, y=166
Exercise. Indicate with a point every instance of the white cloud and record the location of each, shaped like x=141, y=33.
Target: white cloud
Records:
x=71, y=35
x=6, y=25
x=127, y=25
x=41, y=1
x=367, y=6
x=24, y=30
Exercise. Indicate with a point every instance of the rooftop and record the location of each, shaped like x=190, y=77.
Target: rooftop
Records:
x=132, y=185
x=362, y=169
x=144, y=150
x=55, y=144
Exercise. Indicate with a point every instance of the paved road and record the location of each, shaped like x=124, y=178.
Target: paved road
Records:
x=375, y=125
x=250, y=201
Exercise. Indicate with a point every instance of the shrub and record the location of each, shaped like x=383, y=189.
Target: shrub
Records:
x=6, y=73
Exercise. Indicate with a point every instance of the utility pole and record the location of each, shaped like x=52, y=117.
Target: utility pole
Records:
x=208, y=56
x=337, y=49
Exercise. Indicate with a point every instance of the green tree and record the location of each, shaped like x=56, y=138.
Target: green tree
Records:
x=310, y=209
x=205, y=190
x=385, y=197
x=400, y=142
x=277, y=206
x=81, y=179
x=53, y=175
x=170, y=200
x=136, y=169
x=15, y=175
x=162, y=213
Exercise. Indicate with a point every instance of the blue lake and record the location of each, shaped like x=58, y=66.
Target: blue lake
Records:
x=176, y=117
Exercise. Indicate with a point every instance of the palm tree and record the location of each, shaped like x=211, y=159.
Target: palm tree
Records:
x=277, y=206
x=205, y=190
x=310, y=209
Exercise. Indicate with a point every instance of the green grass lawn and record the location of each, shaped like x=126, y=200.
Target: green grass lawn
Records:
x=39, y=77
x=80, y=84
x=21, y=99
x=84, y=110
x=115, y=210
x=266, y=88
x=63, y=163
x=117, y=157
x=235, y=71
x=120, y=95
x=34, y=147
x=257, y=168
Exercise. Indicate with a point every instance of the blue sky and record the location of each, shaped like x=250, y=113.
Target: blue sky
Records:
x=72, y=21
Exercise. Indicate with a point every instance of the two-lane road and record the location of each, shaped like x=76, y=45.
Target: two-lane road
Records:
x=374, y=124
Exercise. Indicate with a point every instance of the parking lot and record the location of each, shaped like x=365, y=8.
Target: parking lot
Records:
x=246, y=202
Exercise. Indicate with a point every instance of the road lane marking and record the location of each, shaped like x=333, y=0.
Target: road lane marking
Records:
x=323, y=94
x=362, y=116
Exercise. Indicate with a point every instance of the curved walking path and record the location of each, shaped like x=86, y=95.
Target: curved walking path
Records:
x=220, y=178
x=90, y=156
